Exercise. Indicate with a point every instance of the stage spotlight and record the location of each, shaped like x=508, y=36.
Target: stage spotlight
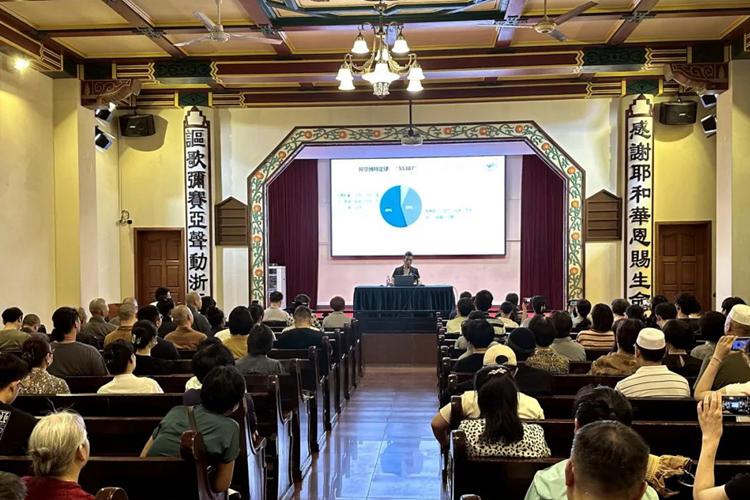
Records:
x=21, y=63
x=106, y=114
x=102, y=140
x=708, y=100
x=709, y=125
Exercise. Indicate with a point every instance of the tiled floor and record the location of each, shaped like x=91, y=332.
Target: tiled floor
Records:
x=382, y=446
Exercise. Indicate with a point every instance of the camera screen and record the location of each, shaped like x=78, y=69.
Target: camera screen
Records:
x=736, y=405
x=740, y=344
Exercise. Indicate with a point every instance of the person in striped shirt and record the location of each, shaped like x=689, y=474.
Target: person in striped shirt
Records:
x=600, y=337
x=652, y=379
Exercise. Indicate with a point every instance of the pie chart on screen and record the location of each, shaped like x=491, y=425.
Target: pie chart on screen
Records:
x=400, y=206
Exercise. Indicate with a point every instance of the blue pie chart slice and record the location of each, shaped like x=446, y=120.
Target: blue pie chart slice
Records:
x=400, y=206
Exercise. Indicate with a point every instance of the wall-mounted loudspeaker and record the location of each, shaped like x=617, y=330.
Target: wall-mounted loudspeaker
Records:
x=709, y=125
x=678, y=113
x=708, y=100
x=137, y=125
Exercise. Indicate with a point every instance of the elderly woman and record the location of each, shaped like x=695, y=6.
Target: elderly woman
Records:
x=59, y=449
x=37, y=352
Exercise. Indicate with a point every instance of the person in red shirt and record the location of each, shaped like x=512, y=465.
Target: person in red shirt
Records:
x=59, y=449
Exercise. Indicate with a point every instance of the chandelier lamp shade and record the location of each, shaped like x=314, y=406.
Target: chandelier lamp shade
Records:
x=380, y=67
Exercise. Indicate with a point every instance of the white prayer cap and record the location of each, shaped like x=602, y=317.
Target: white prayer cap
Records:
x=651, y=339
x=741, y=314
x=490, y=356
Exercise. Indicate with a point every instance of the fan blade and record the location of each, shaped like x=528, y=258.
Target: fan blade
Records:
x=514, y=26
x=558, y=35
x=203, y=18
x=194, y=40
x=257, y=38
x=574, y=12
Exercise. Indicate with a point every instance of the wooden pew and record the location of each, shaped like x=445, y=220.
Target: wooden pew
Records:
x=90, y=384
x=336, y=375
x=99, y=405
x=643, y=408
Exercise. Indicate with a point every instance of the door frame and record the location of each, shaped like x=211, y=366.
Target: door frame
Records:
x=657, y=274
x=137, y=234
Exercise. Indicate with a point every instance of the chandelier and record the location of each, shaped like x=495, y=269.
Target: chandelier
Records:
x=381, y=68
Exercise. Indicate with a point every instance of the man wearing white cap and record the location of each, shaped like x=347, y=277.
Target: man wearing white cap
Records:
x=726, y=371
x=652, y=379
x=528, y=407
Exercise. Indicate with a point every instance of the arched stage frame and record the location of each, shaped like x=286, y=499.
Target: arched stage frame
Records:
x=528, y=131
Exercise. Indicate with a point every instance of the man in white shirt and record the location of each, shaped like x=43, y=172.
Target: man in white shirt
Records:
x=275, y=312
x=652, y=379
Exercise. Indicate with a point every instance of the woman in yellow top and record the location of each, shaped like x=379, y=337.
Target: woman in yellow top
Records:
x=240, y=322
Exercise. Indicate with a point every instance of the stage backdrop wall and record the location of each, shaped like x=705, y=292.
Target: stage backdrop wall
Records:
x=339, y=276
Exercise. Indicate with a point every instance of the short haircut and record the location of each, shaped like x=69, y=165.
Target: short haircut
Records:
x=543, y=330
x=31, y=320
x=144, y=332
x=148, y=313
x=12, y=369
x=465, y=295
x=711, y=326
x=181, y=314
x=464, y=307
x=408, y=254
x=563, y=324
x=477, y=315
x=728, y=303
x=117, y=355
x=256, y=313
x=635, y=312
x=63, y=321
x=193, y=299
x=619, y=306
x=627, y=333
x=652, y=355
x=240, y=321
x=337, y=303
x=595, y=403
x=223, y=388
x=215, y=316
x=507, y=307
x=12, y=314
x=207, y=302
x=130, y=300
x=483, y=300
x=302, y=313
x=602, y=318
x=260, y=340
x=302, y=299
x=11, y=487
x=209, y=357
x=679, y=335
x=276, y=297
x=35, y=349
x=98, y=306
x=479, y=333
x=165, y=307
x=161, y=293
x=126, y=312
x=539, y=304
x=609, y=459
x=512, y=298
x=583, y=307
x=688, y=304
x=54, y=442
x=497, y=397
x=666, y=311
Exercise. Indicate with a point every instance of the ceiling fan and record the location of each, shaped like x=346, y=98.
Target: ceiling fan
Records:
x=216, y=31
x=547, y=25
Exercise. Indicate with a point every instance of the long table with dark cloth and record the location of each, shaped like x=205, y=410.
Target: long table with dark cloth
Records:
x=402, y=308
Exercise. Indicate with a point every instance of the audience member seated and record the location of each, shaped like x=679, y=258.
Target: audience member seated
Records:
x=592, y=404
x=162, y=349
x=337, y=318
x=664, y=312
x=145, y=339
x=59, y=450
x=97, y=327
x=619, y=306
x=652, y=379
x=11, y=486
x=724, y=367
x=37, y=353
x=679, y=339
x=530, y=380
x=711, y=420
x=221, y=394
x=184, y=337
x=499, y=432
x=11, y=336
x=240, y=323
x=462, y=295
x=621, y=363
x=581, y=320
x=302, y=299
x=514, y=299
x=71, y=358
x=635, y=312
x=303, y=335
x=15, y=425
x=256, y=313
x=544, y=357
x=161, y=293
x=507, y=315
x=259, y=344
x=207, y=302
x=124, y=331
x=168, y=325
x=538, y=307
x=651, y=319
x=120, y=360
x=728, y=303
x=464, y=307
x=688, y=310
x=31, y=323
x=194, y=302
x=127, y=300
x=82, y=316
x=483, y=303
x=480, y=334
x=600, y=336
x=711, y=328
x=216, y=319
x=275, y=312
x=563, y=344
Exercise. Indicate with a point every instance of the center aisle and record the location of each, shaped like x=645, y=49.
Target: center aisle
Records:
x=382, y=446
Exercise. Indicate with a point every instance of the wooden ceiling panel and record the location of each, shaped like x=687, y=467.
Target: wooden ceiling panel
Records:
x=113, y=46
x=318, y=4
x=578, y=31
x=232, y=47
x=175, y=12
x=697, y=4
x=693, y=28
x=52, y=14
x=556, y=7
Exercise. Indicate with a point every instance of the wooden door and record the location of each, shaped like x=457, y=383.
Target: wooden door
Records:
x=683, y=261
x=159, y=261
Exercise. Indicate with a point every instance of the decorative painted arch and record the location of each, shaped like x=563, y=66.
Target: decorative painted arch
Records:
x=527, y=131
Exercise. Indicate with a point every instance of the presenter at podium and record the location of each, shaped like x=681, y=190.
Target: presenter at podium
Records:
x=407, y=269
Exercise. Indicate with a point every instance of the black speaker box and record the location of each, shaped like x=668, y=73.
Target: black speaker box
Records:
x=678, y=113
x=137, y=125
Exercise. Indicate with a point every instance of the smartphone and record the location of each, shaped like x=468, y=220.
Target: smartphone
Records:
x=735, y=405
x=572, y=306
x=740, y=343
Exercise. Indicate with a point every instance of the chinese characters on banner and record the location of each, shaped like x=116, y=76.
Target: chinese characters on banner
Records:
x=639, y=202
x=198, y=202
